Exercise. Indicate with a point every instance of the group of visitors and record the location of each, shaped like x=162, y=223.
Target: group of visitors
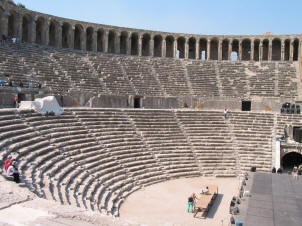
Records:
x=196, y=196
x=4, y=39
x=19, y=84
x=11, y=169
x=295, y=173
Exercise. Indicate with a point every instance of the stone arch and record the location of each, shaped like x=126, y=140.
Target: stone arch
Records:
x=66, y=28
x=246, y=49
x=12, y=24
x=78, y=33
x=111, y=41
x=276, y=49
x=192, y=48
x=286, y=49
x=203, y=51
x=100, y=40
x=291, y=159
x=158, y=40
x=181, y=41
x=214, y=49
x=265, y=48
x=123, y=42
x=225, y=49
x=53, y=27
x=26, y=34
x=169, y=46
x=40, y=23
x=134, y=44
x=256, y=50
x=146, y=44
x=296, y=49
x=89, y=38
x=235, y=50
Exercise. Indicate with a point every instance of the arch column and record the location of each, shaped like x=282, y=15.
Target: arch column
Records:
x=300, y=50
x=163, y=47
x=186, y=48
x=71, y=44
x=140, y=44
x=117, y=42
x=270, y=50
x=59, y=35
x=261, y=50
x=219, y=49
x=282, y=49
x=152, y=46
x=105, y=41
x=208, y=49
x=4, y=23
x=230, y=50
x=33, y=27
x=83, y=39
x=129, y=44
x=94, y=40
x=19, y=26
x=252, y=50
x=45, y=29
x=197, y=49
x=174, y=48
x=240, y=50
x=291, y=57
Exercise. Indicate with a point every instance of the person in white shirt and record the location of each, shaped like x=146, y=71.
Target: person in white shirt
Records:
x=225, y=112
x=13, y=171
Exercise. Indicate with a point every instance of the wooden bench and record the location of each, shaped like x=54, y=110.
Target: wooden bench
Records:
x=205, y=202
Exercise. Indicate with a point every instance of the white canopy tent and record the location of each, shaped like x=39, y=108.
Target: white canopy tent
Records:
x=43, y=105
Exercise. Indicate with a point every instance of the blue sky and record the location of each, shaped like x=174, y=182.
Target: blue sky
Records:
x=229, y=17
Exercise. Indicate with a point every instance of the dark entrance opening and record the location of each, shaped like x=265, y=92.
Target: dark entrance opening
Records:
x=137, y=102
x=297, y=134
x=290, y=160
x=21, y=97
x=246, y=105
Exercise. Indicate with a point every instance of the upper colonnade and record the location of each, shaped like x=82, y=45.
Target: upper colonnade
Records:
x=34, y=27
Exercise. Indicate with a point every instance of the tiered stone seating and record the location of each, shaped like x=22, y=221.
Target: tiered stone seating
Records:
x=74, y=144
x=66, y=70
x=210, y=137
x=234, y=81
x=111, y=74
x=79, y=71
x=27, y=63
x=12, y=67
x=287, y=80
x=25, y=144
x=95, y=158
x=262, y=78
x=203, y=78
x=166, y=141
x=253, y=138
x=132, y=165
x=139, y=72
x=286, y=120
x=172, y=77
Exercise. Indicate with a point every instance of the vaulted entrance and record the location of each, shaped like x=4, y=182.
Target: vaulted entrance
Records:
x=290, y=160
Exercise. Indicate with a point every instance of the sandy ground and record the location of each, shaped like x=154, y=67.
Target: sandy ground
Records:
x=160, y=204
x=165, y=204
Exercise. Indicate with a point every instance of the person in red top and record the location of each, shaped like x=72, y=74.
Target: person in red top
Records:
x=8, y=162
x=15, y=101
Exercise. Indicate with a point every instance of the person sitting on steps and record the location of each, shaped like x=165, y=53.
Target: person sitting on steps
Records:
x=13, y=171
x=8, y=162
